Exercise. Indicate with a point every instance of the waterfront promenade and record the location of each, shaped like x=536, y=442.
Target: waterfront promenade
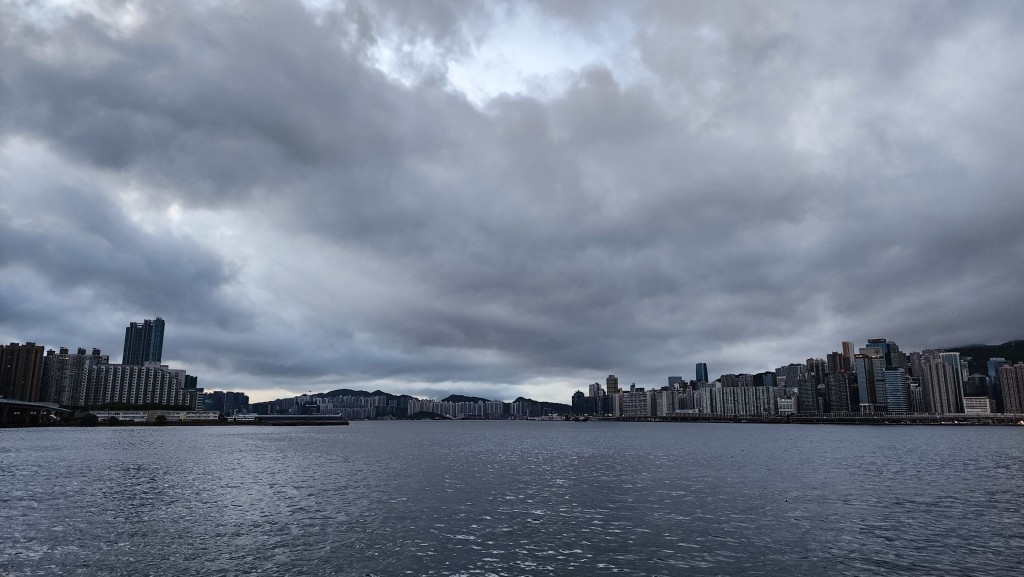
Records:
x=835, y=419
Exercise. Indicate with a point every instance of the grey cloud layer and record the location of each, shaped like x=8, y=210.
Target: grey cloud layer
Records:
x=783, y=179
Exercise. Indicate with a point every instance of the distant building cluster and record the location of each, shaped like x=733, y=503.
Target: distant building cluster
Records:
x=876, y=379
x=87, y=379
x=227, y=403
x=387, y=406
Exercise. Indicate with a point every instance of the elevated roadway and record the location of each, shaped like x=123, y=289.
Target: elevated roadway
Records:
x=15, y=413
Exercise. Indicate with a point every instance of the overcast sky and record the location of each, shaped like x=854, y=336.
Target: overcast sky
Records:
x=509, y=199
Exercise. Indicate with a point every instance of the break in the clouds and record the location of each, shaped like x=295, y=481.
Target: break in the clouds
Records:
x=508, y=198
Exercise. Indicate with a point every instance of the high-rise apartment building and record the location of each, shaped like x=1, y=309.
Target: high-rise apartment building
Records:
x=791, y=374
x=65, y=376
x=143, y=342
x=953, y=360
x=150, y=384
x=636, y=403
x=733, y=401
x=836, y=363
x=816, y=370
x=940, y=389
x=21, y=371
x=1012, y=379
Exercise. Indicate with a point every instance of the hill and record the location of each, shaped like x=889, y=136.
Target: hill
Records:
x=560, y=408
x=1012, y=351
x=463, y=399
x=354, y=393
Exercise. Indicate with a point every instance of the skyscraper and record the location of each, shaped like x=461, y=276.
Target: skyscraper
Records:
x=848, y=352
x=808, y=394
x=1012, y=379
x=938, y=384
x=702, y=372
x=897, y=391
x=869, y=364
x=995, y=385
x=612, y=385
x=65, y=376
x=953, y=360
x=143, y=342
x=21, y=371
x=838, y=393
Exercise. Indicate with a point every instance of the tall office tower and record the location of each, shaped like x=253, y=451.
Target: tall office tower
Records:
x=579, y=403
x=702, y=373
x=65, y=376
x=953, y=360
x=869, y=364
x=848, y=353
x=817, y=369
x=1012, y=379
x=995, y=385
x=893, y=357
x=807, y=390
x=976, y=386
x=765, y=379
x=143, y=342
x=612, y=385
x=897, y=391
x=21, y=371
x=675, y=382
x=838, y=393
x=835, y=363
x=596, y=390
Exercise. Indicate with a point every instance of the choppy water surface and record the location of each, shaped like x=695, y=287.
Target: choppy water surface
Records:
x=512, y=498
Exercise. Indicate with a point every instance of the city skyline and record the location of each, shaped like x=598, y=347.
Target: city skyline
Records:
x=868, y=368
x=508, y=199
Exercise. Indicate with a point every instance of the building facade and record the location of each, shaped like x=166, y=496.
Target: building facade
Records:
x=66, y=375
x=143, y=342
x=702, y=373
x=1011, y=378
x=21, y=371
x=150, y=384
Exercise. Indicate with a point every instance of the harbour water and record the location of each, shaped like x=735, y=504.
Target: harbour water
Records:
x=512, y=498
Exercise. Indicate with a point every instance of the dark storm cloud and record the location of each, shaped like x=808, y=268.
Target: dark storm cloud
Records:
x=780, y=179
x=69, y=257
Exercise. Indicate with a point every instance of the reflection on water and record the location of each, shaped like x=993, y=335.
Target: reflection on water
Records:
x=512, y=498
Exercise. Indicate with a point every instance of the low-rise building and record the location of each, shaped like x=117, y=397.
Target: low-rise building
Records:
x=978, y=406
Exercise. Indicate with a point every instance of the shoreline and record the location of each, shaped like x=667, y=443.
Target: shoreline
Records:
x=891, y=420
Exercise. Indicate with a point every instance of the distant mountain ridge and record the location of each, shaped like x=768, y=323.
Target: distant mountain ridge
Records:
x=354, y=393
x=464, y=399
x=1012, y=351
x=554, y=407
